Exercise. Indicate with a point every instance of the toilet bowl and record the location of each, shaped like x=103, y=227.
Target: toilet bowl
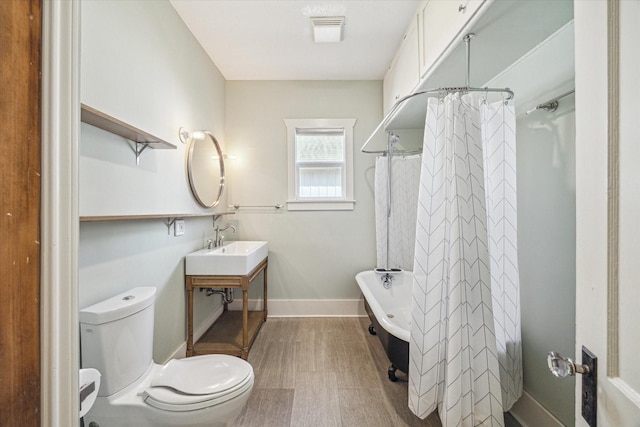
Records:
x=141, y=404
x=117, y=339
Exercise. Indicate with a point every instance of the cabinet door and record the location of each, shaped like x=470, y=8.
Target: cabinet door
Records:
x=404, y=73
x=441, y=23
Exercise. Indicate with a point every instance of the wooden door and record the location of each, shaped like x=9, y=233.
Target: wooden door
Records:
x=20, y=153
x=608, y=204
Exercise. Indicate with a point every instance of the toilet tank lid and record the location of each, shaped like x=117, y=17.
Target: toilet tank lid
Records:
x=119, y=306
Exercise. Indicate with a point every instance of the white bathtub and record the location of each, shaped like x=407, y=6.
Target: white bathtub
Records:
x=390, y=313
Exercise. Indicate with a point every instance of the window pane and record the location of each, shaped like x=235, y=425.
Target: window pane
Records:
x=320, y=182
x=319, y=147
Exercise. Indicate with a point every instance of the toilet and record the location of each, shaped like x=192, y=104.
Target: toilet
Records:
x=117, y=339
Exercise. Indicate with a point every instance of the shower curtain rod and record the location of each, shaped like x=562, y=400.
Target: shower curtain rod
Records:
x=551, y=105
x=440, y=92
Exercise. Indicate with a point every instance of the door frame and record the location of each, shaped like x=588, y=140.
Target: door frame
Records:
x=597, y=33
x=59, y=212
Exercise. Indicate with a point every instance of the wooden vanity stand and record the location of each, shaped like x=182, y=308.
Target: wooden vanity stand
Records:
x=234, y=331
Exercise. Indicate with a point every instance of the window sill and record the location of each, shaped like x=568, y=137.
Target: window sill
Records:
x=320, y=205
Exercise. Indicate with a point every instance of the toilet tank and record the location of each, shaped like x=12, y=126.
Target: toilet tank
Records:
x=116, y=338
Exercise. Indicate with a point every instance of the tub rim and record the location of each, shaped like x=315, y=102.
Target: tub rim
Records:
x=391, y=327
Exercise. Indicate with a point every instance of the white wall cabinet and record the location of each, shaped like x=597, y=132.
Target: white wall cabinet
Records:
x=503, y=34
x=440, y=23
x=404, y=73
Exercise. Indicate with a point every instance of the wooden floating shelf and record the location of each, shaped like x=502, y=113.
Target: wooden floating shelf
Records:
x=103, y=121
x=140, y=138
x=95, y=218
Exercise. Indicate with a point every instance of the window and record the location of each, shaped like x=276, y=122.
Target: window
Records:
x=320, y=164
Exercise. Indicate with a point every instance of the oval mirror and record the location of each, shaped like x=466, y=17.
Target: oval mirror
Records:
x=205, y=166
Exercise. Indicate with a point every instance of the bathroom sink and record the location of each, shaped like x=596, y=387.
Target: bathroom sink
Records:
x=232, y=259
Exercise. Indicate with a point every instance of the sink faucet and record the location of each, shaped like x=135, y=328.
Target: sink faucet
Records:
x=219, y=240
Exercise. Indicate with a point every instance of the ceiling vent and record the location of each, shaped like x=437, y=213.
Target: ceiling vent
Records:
x=327, y=29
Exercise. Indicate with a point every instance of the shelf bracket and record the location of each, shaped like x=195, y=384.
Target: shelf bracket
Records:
x=139, y=150
x=169, y=222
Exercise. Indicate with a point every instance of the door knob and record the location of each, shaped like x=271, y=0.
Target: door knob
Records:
x=561, y=366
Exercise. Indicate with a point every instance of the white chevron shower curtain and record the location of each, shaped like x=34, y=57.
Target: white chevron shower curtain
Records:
x=499, y=147
x=405, y=179
x=465, y=329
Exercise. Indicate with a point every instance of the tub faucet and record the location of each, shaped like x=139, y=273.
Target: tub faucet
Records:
x=386, y=281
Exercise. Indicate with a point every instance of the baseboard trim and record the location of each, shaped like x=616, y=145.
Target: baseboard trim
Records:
x=530, y=413
x=307, y=307
x=181, y=351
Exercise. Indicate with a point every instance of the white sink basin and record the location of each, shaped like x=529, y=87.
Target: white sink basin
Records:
x=232, y=259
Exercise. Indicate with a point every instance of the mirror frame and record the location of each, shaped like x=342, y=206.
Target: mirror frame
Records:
x=192, y=184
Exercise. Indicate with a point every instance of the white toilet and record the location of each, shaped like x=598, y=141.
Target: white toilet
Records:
x=117, y=339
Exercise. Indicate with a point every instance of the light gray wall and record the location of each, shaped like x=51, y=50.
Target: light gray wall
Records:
x=120, y=255
x=547, y=233
x=546, y=215
x=314, y=254
x=141, y=65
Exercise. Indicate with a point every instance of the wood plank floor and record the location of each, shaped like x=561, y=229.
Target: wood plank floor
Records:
x=324, y=372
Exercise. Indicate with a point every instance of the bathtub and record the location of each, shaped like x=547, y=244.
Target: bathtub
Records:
x=390, y=314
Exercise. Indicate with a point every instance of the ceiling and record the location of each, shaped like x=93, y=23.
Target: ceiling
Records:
x=272, y=40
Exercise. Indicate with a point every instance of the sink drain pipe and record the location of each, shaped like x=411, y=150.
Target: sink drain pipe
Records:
x=226, y=294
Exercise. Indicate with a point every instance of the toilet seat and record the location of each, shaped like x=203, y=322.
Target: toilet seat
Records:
x=207, y=374
x=167, y=399
x=198, y=382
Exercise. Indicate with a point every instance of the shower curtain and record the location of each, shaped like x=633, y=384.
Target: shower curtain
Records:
x=465, y=351
x=405, y=180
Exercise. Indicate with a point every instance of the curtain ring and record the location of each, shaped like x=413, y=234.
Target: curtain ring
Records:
x=505, y=99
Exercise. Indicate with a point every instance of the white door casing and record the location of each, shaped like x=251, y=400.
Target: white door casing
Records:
x=608, y=204
x=60, y=336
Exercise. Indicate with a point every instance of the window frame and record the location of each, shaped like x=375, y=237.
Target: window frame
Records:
x=296, y=203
